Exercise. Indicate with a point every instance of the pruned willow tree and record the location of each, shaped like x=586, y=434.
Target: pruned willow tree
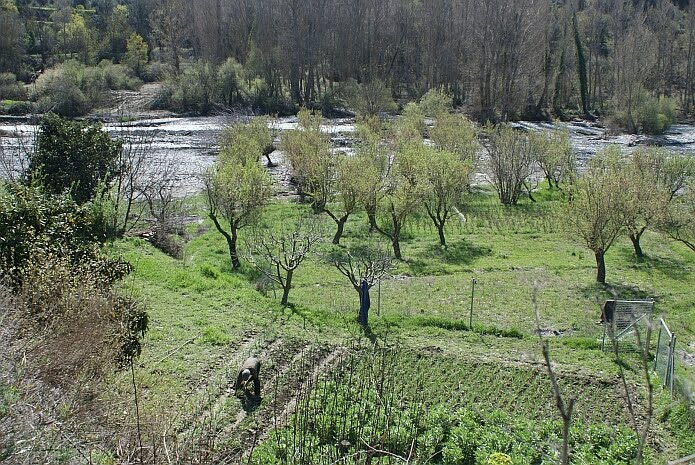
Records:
x=236, y=187
x=401, y=193
x=678, y=221
x=594, y=212
x=443, y=183
x=277, y=253
x=552, y=152
x=373, y=158
x=331, y=179
x=457, y=134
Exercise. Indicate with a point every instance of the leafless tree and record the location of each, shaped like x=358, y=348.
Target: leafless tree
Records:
x=362, y=264
x=509, y=162
x=565, y=407
x=278, y=253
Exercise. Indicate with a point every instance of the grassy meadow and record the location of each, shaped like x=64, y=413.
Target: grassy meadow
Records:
x=205, y=319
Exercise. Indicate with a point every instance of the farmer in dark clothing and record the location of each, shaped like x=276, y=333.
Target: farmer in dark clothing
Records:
x=249, y=371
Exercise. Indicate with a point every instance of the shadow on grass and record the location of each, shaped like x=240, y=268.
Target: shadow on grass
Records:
x=599, y=293
x=670, y=267
x=459, y=253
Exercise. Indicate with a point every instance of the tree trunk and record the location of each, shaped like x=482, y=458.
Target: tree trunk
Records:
x=600, y=267
x=339, y=233
x=232, y=241
x=442, y=239
x=396, y=248
x=286, y=288
x=371, y=216
x=635, y=238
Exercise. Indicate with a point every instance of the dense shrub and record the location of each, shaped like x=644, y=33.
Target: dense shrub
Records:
x=650, y=115
x=117, y=76
x=32, y=222
x=58, y=92
x=654, y=116
x=73, y=156
x=73, y=89
x=10, y=89
x=16, y=108
x=50, y=254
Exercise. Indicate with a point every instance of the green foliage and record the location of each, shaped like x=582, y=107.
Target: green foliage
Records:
x=74, y=157
x=654, y=116
x=58, y=92
x=238, y=187
x=509, y=164
x=10, y=107
x=651, y=115
x=460, y=325
x=73, y=89
x=10, y=89
x=435, y=103
x=498, y=458
x=595, y=211
x=193, y=91
x=230, y=82
x=554, y=155
x=367, y=405
x=136, y=53
x=31, y=220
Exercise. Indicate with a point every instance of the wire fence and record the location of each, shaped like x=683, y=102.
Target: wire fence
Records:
x=664, y=356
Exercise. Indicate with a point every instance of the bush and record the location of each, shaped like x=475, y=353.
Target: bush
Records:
x=650, y=115
x=11, y=107
x=435, y=102
x=654, y=116
x=193, y=91
x=58, y=92
x=10, y=88
x=118, y=77
x=156, y=71
x=370, y=98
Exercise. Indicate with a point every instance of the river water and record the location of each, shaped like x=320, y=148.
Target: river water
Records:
x=192, y=142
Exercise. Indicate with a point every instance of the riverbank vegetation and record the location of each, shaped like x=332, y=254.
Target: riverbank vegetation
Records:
x=499, y=60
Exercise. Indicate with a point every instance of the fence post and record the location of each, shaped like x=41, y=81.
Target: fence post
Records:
x=470, y=318
x=658, y=341
x=672, y=362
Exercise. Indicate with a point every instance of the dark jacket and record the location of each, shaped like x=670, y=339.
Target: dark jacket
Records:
x=254, y=366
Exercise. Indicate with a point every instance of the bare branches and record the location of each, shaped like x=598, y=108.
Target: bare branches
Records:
x=362, y=264
x=564, y=409
x=277, y=254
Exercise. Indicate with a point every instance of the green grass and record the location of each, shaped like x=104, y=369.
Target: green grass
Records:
x=205, y=317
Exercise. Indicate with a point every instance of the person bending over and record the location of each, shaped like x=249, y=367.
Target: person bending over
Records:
x=249, y=371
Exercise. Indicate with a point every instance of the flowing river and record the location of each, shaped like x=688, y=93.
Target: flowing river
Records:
x=191, y=142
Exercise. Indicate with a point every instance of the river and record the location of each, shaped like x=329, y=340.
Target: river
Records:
x=192, y=142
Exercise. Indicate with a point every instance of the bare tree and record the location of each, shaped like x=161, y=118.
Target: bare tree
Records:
x=360, y=264
x=163, y=202
x=278, y=253
x=565, y=409
x=133, y=180
x=509, y=162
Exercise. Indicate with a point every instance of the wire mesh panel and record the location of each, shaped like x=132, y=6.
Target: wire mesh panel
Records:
x=623, y=318
x=664, y=355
